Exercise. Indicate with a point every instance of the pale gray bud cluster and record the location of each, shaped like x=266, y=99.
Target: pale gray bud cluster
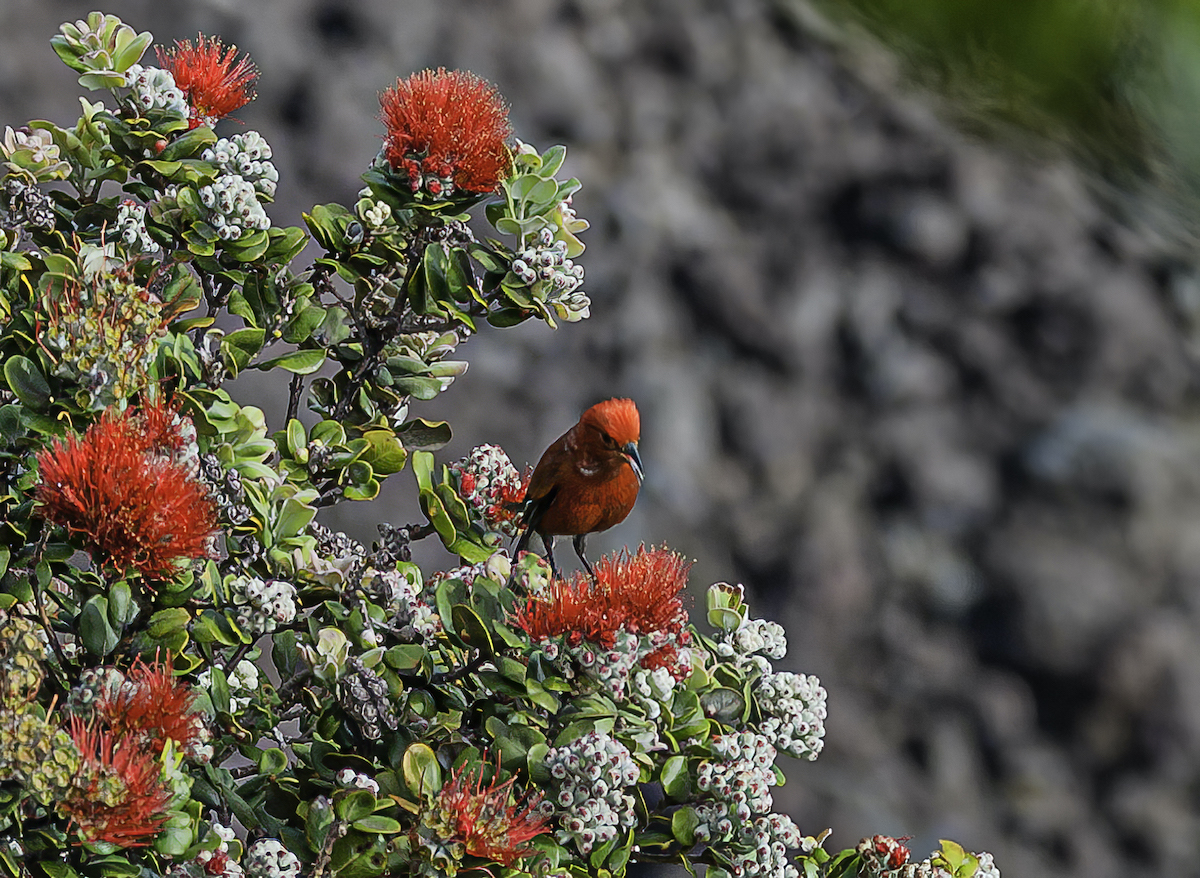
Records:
x=349, y=779
x=403, y=594
x=740, y=775
x=268, y=858
x=588, y=781
x=261, y=607
x=497, y=567
x=651, y=690
x=765, y=844
x=793, y=707
x=131, y=227
x=233, y=207
x=546, y=260
x=545, y=263
x=928, y=869
x=153, y=88
x=95, y=684
x=754, y=644
x=491, y=486
x=248, y=155
x=242, y=683
x=225, y=489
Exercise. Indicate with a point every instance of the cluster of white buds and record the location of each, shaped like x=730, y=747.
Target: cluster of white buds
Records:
x=242, y=683
x=589, y=779
x=765, y=844
x=248, y=155
x=754, y=643
x=651, y=690
x=376, y=215
x=491, y=486
x=497, y=567
x=741, y=775
x=153, y=88
x=545, y=262
x=403, y=593
x=233, y=206
x=349, y=779
x=95, y=684
x=935, y=867
x=215, y=862
x=262, y=606
x=609, y=667
x=793, y=707
x=131, y=227
x=268, y=858
x=546, y=259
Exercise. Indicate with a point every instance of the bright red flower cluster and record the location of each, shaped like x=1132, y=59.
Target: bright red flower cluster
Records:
x=120, y=488
x=486, y=819
x=119, y=796
x=154, y=706
x=446, y=130
x=639, y=594
x=211, y=76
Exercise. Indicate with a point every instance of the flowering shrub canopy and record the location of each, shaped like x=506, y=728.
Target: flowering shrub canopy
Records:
x=197, y=677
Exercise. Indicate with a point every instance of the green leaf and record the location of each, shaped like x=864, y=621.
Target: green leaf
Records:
x=250, y=247
x=121, y=608
x=242, y=346
x=420, y=435
x=422, y=466
x=94, y=629
x=471, y=630
x=27, y=382
x=421, y=771
x=55, y=870
x=302, y=362
x=285, y=245
x=386, y=454
x=378, y=823
x=272, y=761
x=355, y=805
x=674, y=777
x=188, y=145
x=724, y=619
x=683, y=826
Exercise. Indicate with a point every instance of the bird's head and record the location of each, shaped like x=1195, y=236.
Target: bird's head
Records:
x=616, y=425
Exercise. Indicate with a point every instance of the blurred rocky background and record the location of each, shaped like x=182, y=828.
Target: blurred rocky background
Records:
x=931, y=395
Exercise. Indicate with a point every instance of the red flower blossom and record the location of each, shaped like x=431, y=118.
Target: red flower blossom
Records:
x=486, y=819
x=211, y=77
x=638, y=593
x=153, y=706
x=121, y=489
x=119, y=796
x=446, y=131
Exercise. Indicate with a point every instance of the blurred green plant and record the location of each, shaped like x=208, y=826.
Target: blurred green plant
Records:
x=1114, y=84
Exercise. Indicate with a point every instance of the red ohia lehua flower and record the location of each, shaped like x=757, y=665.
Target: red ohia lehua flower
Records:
x=119, y=796
x=154, y=706
x=211, y=76
x=446, y=131
x=638, y=593
x=486, y=818
x=121, y=489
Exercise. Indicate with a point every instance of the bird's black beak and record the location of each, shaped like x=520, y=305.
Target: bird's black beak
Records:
x=631, y=454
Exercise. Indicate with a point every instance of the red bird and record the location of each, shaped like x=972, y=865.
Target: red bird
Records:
x=587, y=481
